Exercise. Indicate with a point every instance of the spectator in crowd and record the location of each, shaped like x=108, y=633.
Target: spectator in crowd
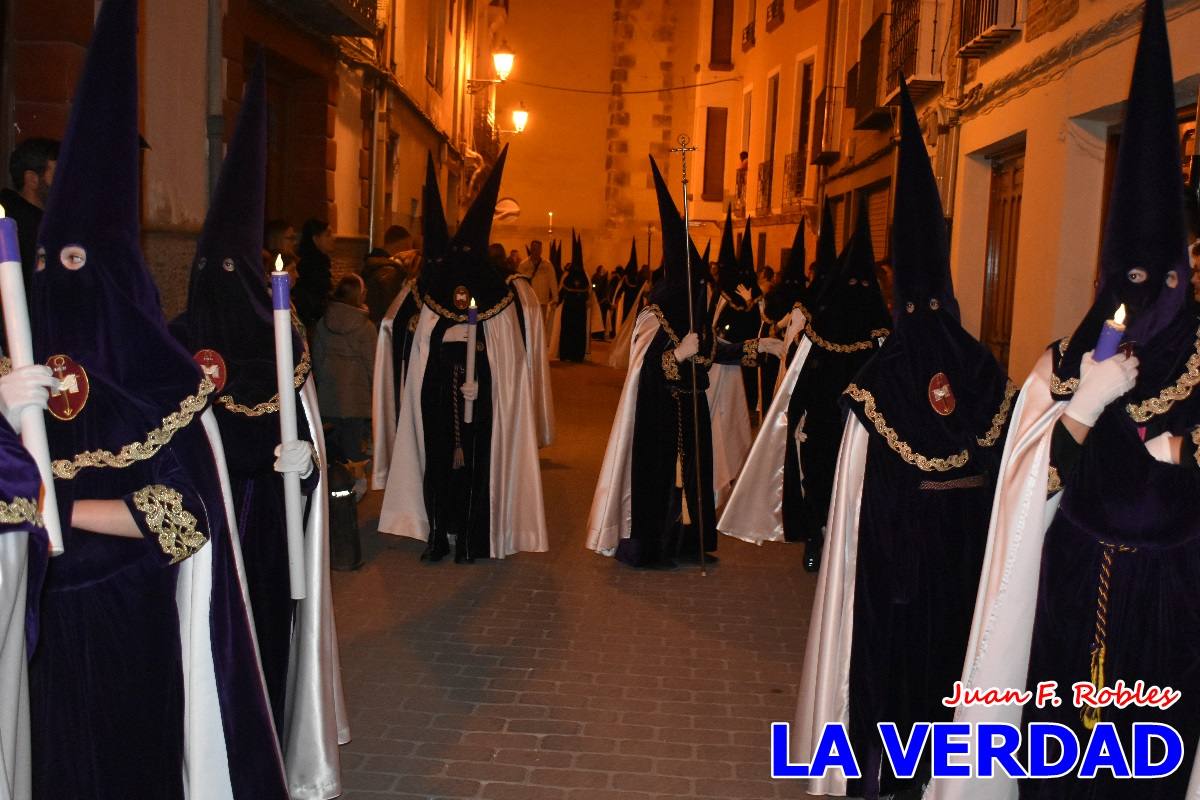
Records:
x=31, y=169
x=279, y=239
x=343, y=363
x=387, y=268
x=541, y=274
x=766, y=278
x=600, y=285
x=315, y=272
x=501, y=262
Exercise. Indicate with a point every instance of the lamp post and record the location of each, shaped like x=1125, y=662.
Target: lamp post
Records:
x=503, y=61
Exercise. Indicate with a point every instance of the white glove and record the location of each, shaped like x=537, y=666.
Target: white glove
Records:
x=688, y=347
x=772, y=347
x=294, y=457
x=470, y=391
x=745, y=293
x=25, y=387
x=1100, y=384
x=1162, y=448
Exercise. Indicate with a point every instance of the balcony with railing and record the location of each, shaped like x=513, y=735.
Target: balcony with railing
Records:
x=762, y=205
x=774, y=15
x=330, y=17
x=748, y=37
x=485, y=136
x=795, y=172
x=870, y=112
x=827, y=121
x=739, y=191
x=986, y=25
x=912, y=48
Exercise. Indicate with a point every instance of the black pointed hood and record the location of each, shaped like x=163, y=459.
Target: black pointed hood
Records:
x=792, y=287
x=1145, y=233
x=435, y=235
x=229, y=302
x=853, y=309
x=727, y=260
x=631, y=266
x=465, y=273
x=826, y=264
x=92, y=295
x=577, y=266
x=556, y=253
x=707, y=253
x=747, y=275
x=932, y=385
x=671, y=293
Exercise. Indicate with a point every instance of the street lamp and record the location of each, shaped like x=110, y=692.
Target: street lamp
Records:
x=520, y=118
x=502, y=62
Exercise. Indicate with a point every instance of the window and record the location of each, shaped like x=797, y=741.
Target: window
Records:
x=435, y=43
x=747, y=104
x=716, y=122
x=804, y=94
x=772, y=117
x=751, y=11
x=721, y=46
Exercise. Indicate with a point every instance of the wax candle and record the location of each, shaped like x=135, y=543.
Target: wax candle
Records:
x=20, y=346
x=1110, y=336
x=472, y=323
x=281, y=303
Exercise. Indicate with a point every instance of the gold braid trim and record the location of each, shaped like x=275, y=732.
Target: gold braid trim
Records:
x=270, y=406
x=670, y=365
x=165, y=515
x=483, y=316
x=735, y=301
x=5, y=365
x=1054, y=483
x=902, y=448
x=750, y=353
x=834, y=347
x=989, y=438
x=666, y=326
x=1090, y=716
x=1181, y=390
x=1058, y=386
x=21, y=509
x=139, y=451
x=1196, y=441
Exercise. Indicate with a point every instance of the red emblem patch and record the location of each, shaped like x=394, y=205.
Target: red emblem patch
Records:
x=462, y=298
x=941, y=396
x=73, y=391
x=213, y=367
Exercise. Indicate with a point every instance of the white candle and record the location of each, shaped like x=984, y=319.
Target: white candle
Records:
x=472, y=323
x=20, y=345
x=281, y=303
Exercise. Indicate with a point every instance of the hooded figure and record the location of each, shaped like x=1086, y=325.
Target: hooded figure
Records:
x=146, y=613
x=1094, y=544
x=396, y=330
x=23, y=556
x=784, y=490
x=908, y=518
x=626, y=304
x=784, y=304
x=650, y=497
x=473, y=476
x=537, y=353
x=229, y=328
x=735, y=308
x=577, y=315
x=827, y=262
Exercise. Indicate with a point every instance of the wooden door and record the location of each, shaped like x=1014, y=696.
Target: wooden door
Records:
x=1004, y=220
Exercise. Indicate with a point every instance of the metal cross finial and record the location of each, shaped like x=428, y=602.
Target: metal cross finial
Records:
x=684, y=149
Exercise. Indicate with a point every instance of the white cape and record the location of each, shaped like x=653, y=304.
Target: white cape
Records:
x=518, y=521
x=595, y=324
x=619, y=357
x=611, y=517
x=383, y=393
x=15, y=777
x=537, y=358
x=755, y=509
x=825, y=679
x=315, y=720
x=732, y=434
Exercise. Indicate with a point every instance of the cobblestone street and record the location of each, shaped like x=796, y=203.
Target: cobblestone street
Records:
x=564, y=675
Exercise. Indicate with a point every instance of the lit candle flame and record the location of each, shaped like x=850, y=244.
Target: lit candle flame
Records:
x=2, y=212
x=472, y=303
x=279, y=263
x=1119, y=317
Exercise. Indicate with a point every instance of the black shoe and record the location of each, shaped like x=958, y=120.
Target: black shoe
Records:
x=665, y=565
x=812, y=556
x=437, y=549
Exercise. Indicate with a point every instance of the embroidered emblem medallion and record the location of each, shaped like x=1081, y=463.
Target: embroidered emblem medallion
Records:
x=941, y=396
x=462, y=298
x=72, y=394
x=213, y=367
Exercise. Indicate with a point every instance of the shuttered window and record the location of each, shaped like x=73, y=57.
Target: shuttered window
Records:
x=721, y=46
x=877, y=213
x=715, y=126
